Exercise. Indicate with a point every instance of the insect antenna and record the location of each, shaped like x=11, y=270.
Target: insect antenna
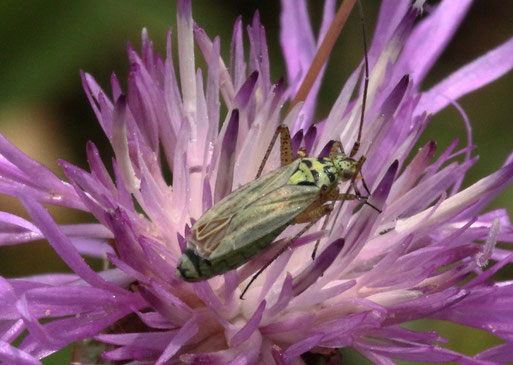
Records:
x=356, y=145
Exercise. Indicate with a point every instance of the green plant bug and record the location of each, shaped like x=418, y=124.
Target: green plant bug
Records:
x=247, y=221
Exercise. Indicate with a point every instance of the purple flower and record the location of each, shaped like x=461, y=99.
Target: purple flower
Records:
x=420, y=257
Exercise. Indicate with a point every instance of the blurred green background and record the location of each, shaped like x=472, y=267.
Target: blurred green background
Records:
x=44, y=111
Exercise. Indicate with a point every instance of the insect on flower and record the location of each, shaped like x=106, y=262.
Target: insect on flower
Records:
x=245, y=222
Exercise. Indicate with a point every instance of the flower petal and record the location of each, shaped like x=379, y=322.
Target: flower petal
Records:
x=64, y=247
x=430, y=37
x=11, y=355
x=473, y=76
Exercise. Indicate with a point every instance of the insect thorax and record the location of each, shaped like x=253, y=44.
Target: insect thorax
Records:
x=315, y=171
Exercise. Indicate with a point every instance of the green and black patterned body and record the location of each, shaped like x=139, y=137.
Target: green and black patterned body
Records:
x=246, y=221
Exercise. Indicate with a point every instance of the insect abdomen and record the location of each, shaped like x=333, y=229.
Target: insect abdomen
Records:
x=193, y=267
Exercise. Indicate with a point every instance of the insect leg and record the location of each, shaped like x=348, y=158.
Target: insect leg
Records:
x=285, y=148
x=364, y=184
x=335, y=148
x=313, y=214
x=324, y=225
x=325, y=208
x=361, y=197
x=332, y=195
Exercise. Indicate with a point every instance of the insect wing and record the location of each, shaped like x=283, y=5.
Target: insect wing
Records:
x=265, y=215
x=209, y=230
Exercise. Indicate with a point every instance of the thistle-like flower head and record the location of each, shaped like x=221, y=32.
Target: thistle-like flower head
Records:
x=418, y=255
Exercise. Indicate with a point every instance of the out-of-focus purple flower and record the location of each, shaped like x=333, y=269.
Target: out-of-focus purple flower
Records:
x=420, y=258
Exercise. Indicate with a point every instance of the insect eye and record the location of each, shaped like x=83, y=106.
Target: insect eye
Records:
x=348, y=173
